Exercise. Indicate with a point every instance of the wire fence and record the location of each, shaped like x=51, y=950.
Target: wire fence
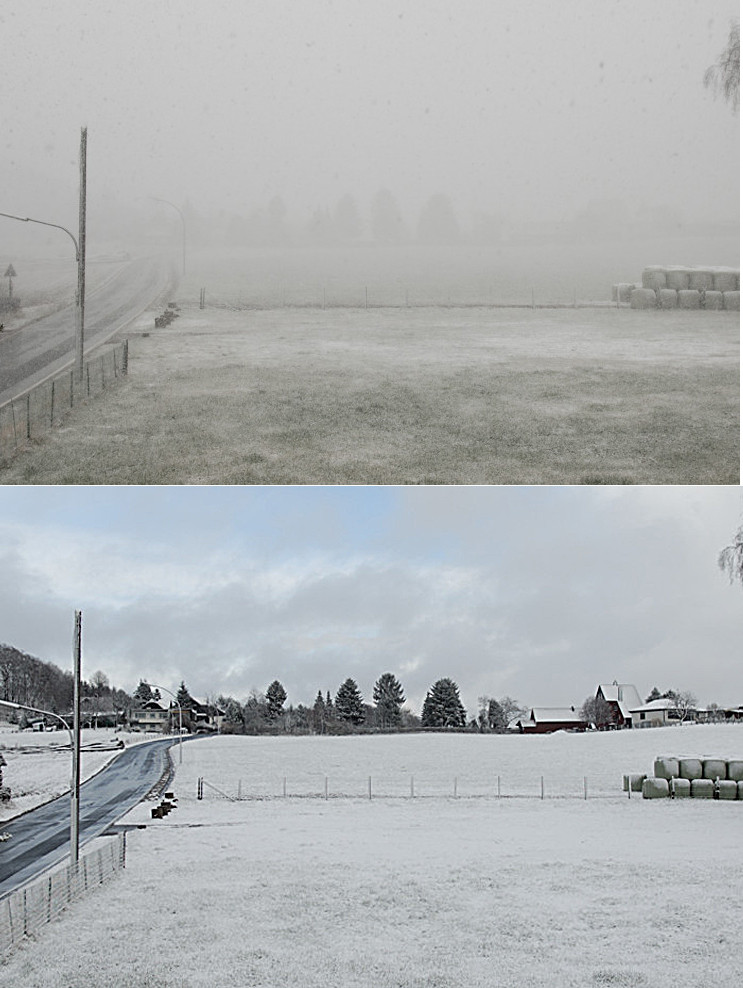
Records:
x=34, y=413
x=25, y=911
x=409, y=787
x=386, y=296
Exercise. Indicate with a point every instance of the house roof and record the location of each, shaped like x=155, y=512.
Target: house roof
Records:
x=625, y=695
x=663, y=704
x=551, y=715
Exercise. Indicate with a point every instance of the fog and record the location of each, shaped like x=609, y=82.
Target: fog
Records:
x=587, y=111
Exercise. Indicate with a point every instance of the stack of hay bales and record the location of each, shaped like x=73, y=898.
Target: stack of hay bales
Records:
x=683, y=287
x=698, y=778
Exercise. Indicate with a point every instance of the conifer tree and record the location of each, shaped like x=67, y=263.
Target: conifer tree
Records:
x=389, y=698
x=275, y=696
x=442, y=706
x=349, y=703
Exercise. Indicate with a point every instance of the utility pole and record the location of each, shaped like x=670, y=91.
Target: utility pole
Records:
x=80, y=308
x=75, y=787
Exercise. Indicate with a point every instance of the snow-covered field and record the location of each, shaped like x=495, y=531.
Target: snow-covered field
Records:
x=435, y=892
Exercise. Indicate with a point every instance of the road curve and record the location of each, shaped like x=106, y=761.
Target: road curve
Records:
x=31, y=353
x=41, y=837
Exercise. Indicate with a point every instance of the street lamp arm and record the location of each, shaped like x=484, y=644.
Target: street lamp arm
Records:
x=28, y=219
x=37, y=710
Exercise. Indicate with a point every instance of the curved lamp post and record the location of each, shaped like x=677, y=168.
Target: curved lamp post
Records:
x=75, y=787
x=180, y=717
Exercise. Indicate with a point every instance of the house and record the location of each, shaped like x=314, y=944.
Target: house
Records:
x=660, y=712
x=619, y=699
x=205, y=716
x=151, y=716
x=546, y=720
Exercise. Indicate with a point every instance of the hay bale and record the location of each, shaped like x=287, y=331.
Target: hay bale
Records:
x=714, y=768
x=725, y=280
x=621, y=292
x=689, y=299
x=654, y=277
x=677, y=278
x=690, y=768
x=713, y=300
x=735, y=771
x=702, y=789
x=701, y=278
x=731, y=301
x=666, y=768
x=643, y=298
x=656, y=788
x=740, y=790
x=681, y=788
x=633, y=782
x=727, y=789
x=668, y=298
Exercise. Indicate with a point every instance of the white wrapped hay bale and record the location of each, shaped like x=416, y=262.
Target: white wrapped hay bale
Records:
x=735, y=770
x=702, y=789
x=689, y=299
x=666, y=768
x=643, y=298
x=713, y=300
x=701, y=278
x=690, y=768
x=677, y=277
x=633, y=783
x=725, y=280
x=714, y=768
x=668, y=298
x=621, y=293
x=654, y=277
x=731, y=301
x=681, y=788
x=655, y=788
x=727, y=789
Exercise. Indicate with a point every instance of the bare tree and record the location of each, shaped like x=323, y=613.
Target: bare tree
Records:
x=730, y=559
x=724, y=77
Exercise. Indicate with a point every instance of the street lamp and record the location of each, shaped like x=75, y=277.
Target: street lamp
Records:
x=183, y=223
x=79, y=254
x=180, y=717
x=75, y=786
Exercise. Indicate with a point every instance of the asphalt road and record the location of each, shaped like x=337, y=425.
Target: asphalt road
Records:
x=41, y=837
x=30, y=354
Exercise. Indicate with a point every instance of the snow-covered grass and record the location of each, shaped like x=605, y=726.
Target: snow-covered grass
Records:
x=411, y=396
x=38, y=769
x=415, y=893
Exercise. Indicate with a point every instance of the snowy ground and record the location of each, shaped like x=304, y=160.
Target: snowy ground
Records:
x=415, y=893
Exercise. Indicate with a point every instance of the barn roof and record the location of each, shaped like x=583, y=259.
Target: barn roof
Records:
x=551, y=715
x=625, y=695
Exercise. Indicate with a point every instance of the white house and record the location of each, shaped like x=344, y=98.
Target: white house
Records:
x=655, y=714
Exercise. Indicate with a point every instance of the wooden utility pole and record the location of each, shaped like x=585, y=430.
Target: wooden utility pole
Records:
x=75, y=786
x=80, y=307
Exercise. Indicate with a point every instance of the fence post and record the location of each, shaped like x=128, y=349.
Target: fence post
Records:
x=585, y=787
x=28, y=415
x=51, y=410
x=125, y=358
x=542, y=785
x=72, y=388
x=10, y=919
x=284, y=785
x=15, y=434
x=498, y=787
x=370, y=787
x=455, y=787
x=49, y=900
x=239, y=788
x=87, y=379
x=25, y=914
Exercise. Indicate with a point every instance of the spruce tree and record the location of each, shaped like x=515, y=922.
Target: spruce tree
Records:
x=349, y=703
x=442, y=706
x=276, y=696
x=389, y=698
x=143, y=693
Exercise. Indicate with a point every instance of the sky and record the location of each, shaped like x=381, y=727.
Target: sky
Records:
x=523, y=107
x=536, y=593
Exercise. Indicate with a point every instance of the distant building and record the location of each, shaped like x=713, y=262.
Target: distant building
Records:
x=151, y=716
x=546, y=720
x=658, y=713
x=617, y=700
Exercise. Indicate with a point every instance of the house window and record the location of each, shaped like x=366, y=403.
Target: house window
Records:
x=642, y=715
